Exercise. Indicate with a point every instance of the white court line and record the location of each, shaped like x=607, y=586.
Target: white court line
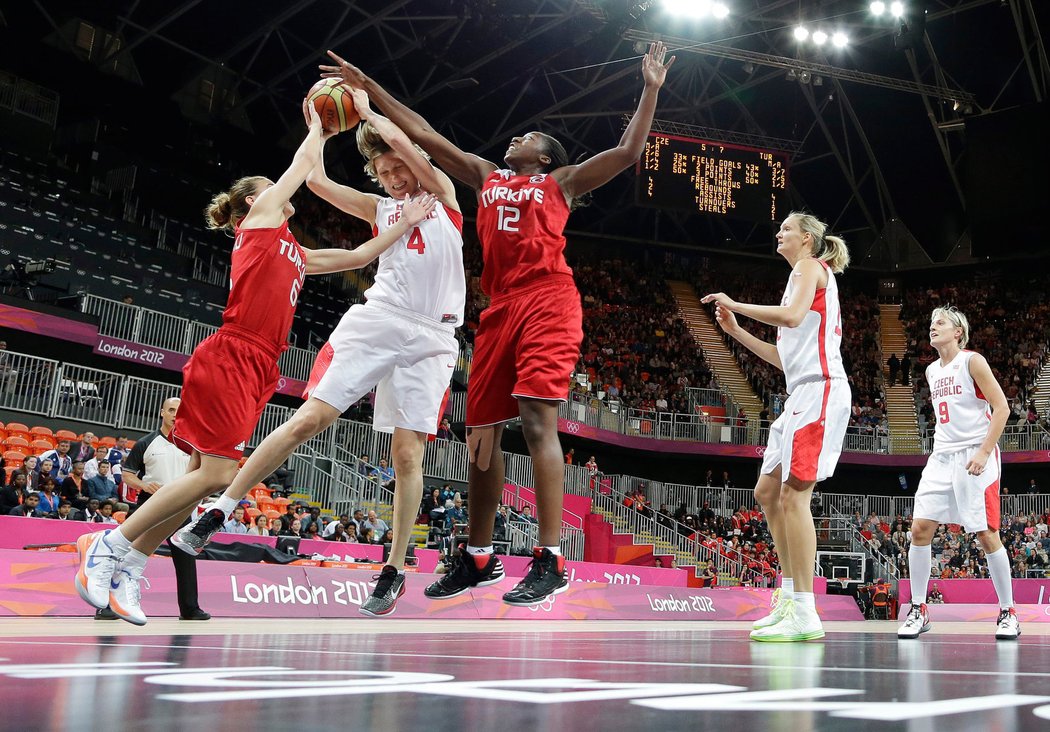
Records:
x=548, y=660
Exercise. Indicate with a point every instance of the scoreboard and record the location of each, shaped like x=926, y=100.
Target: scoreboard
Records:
x=712, y=178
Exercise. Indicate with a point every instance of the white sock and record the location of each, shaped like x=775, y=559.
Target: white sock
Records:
x=999, y=568
x=476, y=550
x=226, y=505
x=134, y=559
x=787, y=588
x=920, y=559
x=555, y=550
x=807, y=600
x=118, y=543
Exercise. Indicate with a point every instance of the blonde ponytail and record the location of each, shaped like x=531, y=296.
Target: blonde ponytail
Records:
x=826, y=248
x=835, y=254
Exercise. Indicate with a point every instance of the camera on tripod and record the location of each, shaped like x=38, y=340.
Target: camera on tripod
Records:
x=19, y=277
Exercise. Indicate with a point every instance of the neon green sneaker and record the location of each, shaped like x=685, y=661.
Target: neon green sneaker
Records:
x=798, y=624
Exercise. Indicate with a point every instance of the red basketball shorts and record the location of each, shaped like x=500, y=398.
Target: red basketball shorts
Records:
x=527, y=345
x=225, y=386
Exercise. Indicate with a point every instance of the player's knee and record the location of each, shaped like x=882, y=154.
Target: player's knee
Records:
x=305, y=424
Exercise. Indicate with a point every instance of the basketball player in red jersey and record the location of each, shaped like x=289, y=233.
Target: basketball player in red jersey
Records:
x=806, y=439
x=960, y=483
x=233, y=372
x=528, y=340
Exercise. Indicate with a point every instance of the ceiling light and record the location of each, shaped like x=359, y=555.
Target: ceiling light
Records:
x=801, y=33
x=840, y=40
x=878, y=8
x=820, y=38
x=897, y=9
x=720, y=10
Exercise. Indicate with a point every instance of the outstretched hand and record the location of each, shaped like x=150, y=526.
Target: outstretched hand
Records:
x=654, y=69
x=360, y=97
x=343, y=70
x=417, y=209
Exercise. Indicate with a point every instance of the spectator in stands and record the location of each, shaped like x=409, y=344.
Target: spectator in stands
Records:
x=291, y=513
x=329, y=529
x=378, y=525
x=445, y=430
x=338, y=532
x=102, y=486
x=73, y=488
x=28, y=469
x=64, y=512
x=455, y=514
x=356, y=522
x=727, y=482
x=260, y=527
x=366, y=535
x=49, y=497
x=116, y=456
x=383, y=474
x=91, y=512
x=499, y=531
x=43, y=467
x=59, y=460
x=105, y=513
x=91, y=465
x=13, y=494
x=30, y=507
x=430, y=502
x=364, y=466
x=295, y=528
x=85, y=449
x=313, y=531
x=235, y=524
x=312, y=519
x=895, y=366
x=569, y=456
x=525, y=515
x=447, y=494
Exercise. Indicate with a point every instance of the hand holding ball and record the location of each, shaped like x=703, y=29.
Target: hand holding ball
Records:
x=334, y=105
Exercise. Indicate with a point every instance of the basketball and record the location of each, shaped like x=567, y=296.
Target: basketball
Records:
x=334, y=105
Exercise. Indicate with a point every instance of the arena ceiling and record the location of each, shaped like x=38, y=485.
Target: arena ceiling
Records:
x=877, y=143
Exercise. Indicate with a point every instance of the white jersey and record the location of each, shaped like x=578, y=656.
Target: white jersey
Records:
x=423, y=271
x=961, y=412
x=811, y=351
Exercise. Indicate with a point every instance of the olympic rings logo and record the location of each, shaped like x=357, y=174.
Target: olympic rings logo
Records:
x=573, y=427
x=760, y=451
x=281, y=383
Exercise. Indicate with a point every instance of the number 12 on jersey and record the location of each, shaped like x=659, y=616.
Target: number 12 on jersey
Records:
x=415, y=241
x=508, y=215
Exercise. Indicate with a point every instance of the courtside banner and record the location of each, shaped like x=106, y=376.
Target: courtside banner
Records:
x=41, y=584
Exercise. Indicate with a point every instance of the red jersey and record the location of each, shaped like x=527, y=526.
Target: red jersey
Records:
x=266, y=276
x=521, y=220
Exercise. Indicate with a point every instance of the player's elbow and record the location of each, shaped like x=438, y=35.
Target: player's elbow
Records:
x=793, y=320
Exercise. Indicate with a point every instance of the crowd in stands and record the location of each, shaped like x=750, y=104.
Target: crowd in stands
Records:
x=1009, y=325
x=957, y=554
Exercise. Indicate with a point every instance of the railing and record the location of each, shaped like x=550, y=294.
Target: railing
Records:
x=174, y=333
x=882, y=566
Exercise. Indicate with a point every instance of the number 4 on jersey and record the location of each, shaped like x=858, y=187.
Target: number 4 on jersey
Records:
x=415, y=241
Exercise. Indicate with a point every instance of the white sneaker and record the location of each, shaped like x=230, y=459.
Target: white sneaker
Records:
x=97, y=565
x=917, y=622
x=125, y=596
x=798, y=624
x=777, y=607
x=1007, y=627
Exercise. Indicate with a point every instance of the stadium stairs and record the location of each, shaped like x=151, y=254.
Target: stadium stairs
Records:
x=900, y=400
x=1041, y=393
x=707, y=335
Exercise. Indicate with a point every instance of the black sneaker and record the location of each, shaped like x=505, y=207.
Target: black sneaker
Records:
x=192, y=538
x=546, y=577
x=390, y=585
x=106, y=613
x=467, y=570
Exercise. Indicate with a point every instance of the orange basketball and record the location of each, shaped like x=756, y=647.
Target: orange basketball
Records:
x=334, y=105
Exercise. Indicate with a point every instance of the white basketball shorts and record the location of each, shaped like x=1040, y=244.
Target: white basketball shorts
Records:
x=409, y=359
x=806, y=439
x=948, y=494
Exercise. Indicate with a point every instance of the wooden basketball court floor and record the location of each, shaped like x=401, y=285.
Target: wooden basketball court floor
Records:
x=226, y=674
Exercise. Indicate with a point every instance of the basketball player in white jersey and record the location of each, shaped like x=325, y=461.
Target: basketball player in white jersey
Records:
x=401, y=341
x=960, y=484
x=806, y=440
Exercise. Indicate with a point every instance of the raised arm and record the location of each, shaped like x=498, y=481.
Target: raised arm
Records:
x=575, y=180
x=430, y=178
x=807, y=277
x=347, y=199
x=268, y=209
x=465, y=167
x=323, y=261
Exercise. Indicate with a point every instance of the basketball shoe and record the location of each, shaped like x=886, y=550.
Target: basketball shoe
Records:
x=546, y=577
x=124, y=594
x=799, y=623
x=97, y=565
x=917, y=622
x=777, y=607
x=390, y=585
x=1007, y=627
x=192, y=538
x=467, y=570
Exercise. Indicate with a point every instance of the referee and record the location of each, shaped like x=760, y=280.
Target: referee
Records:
x=153, y=462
